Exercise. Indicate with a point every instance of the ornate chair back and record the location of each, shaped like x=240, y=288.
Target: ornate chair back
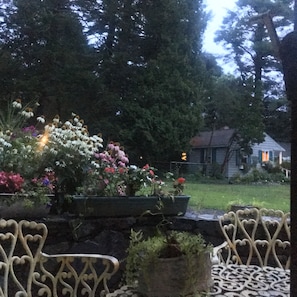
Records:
x=255, y=236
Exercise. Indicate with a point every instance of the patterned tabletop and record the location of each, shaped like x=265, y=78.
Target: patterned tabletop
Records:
x=241, y=280
x=238, y=281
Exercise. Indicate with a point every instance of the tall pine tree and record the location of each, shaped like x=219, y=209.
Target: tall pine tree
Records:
x=44, y=42
x=153, y=74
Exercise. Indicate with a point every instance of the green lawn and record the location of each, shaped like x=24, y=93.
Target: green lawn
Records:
x=220, y=196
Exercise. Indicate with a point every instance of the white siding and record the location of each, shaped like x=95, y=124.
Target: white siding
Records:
x=268, y=145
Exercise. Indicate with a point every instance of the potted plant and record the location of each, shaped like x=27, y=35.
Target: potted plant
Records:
x=123, y=202
x=170, y=263
x=112, y=187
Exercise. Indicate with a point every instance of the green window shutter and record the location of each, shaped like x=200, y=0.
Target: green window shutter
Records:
x=214, y=155
x=202, y=152
x=270, y=156
x=260, y=156
x=237, y=157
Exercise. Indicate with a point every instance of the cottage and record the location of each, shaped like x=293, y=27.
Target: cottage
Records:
x=216, y=150
x=220, y=150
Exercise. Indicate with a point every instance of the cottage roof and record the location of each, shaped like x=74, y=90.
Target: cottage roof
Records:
x=287, y=147
x=269, y=144
x=217, y=138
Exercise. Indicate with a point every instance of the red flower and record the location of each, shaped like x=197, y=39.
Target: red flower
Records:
x=181, y=180
x=122, y=170
x=109, y=170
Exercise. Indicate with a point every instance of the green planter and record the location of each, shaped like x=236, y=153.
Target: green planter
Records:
x=94, y=206
x=21, y=209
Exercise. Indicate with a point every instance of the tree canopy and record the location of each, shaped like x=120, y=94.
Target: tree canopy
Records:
x=246, y=37
x=134, y=70
x=48, y=54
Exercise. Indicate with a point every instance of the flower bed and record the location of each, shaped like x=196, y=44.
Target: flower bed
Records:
x=62, y=157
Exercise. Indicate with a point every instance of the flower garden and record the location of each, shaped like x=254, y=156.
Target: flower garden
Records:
x=40, y=158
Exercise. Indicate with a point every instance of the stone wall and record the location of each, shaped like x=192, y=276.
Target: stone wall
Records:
x=69, y=234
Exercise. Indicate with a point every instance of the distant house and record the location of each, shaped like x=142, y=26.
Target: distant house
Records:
x=220, y=148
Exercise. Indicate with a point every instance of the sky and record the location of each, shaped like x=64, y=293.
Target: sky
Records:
x=218, y=9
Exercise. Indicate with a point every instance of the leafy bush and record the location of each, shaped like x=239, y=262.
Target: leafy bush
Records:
x=259, y=176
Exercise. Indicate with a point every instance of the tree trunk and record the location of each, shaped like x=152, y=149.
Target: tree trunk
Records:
x=288, y=52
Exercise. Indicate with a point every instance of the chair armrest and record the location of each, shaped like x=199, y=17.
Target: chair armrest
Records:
x=215, y=256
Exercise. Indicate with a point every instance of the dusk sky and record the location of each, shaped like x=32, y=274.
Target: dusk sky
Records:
x=218, y=9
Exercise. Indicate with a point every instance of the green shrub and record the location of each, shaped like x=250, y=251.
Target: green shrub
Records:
x=259, y=176
x=286, y=165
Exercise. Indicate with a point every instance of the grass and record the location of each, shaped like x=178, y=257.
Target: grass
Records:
x=221, y=196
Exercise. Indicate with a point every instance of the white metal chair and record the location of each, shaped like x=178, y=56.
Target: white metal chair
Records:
x=255, y=237
x=26, y=271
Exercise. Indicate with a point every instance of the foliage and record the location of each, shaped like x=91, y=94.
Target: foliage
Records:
x=245, y=36
x=45, y=55
x=260, y=176
x=142, y=71
x=238, y=103
x=179, y=185
x=251, y=47
x=67, y=149
x=110, y=176
x=286, y=165
x=36, y=160
x=33, y=192
x=143, y=253
x=20, y=156
x=172, y=77
x=64, y=157
x=137, y=82
x=111, y=54
x=277, y=118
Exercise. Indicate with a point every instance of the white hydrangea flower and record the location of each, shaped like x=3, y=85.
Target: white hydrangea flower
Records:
x=17, y=104
x=41, y=119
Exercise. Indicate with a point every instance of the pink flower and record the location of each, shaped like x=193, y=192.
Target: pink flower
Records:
x=110, y=146
x=11, y=182
x=151, y=172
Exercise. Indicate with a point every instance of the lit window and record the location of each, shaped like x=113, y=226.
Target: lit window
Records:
x=265, y=156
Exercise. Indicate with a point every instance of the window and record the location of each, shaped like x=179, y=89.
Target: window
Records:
x=265, y=156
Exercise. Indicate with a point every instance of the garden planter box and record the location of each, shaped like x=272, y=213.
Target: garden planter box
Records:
x=94, y=206
x=20, y=209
